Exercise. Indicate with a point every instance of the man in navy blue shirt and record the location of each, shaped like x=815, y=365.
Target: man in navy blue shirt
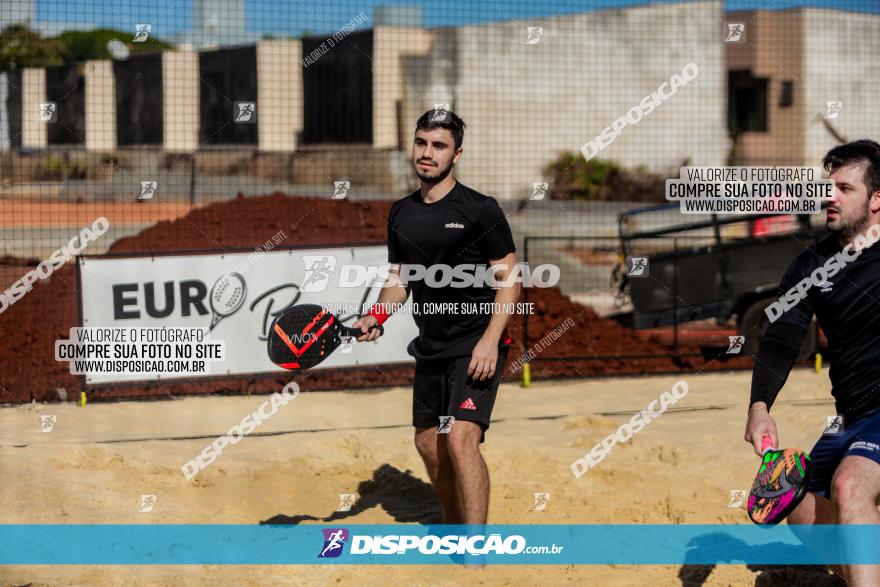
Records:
x=845, y=482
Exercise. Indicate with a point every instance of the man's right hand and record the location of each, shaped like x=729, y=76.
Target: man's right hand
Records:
x=364, y=324
x=760, y=424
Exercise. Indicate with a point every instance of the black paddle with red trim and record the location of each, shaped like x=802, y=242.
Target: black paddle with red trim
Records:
x=304, y=335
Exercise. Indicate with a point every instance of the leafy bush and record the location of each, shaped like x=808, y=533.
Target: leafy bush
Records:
x=572, y=177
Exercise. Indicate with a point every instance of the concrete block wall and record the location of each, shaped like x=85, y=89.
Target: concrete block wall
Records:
x=523, y=103
x=180, y=100
x=34, y=134
x=100, y=118
x=390, y=46
x=841, y=63
x=279, y=94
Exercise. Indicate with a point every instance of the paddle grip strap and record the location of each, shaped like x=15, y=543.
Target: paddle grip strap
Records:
x=358, y=332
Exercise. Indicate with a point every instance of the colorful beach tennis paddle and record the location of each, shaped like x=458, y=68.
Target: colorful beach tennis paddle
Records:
x=780, y=485
x=304, y=335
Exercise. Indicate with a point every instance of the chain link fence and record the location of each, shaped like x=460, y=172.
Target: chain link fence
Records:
x=215, y=130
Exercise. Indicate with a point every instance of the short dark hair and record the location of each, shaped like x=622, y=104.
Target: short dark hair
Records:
x=439, y=118
x=858, y=152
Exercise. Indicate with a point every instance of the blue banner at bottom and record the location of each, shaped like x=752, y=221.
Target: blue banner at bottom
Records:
x=169, y=544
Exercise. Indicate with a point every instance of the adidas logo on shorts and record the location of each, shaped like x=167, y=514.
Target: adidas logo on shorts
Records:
x=454, y=225
x=467, y=404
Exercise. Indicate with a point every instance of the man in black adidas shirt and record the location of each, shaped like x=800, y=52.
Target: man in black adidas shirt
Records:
x=449, y=230
x=843, y=273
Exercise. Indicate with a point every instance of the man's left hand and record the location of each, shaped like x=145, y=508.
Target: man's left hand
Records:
x=483, y=360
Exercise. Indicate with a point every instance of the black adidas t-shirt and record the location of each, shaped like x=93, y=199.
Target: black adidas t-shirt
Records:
x=847, y=307
x=463, y=227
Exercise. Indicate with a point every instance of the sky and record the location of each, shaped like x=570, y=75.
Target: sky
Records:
x=293, y=17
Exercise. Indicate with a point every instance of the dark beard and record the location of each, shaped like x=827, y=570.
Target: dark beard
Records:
x=850, y=230
x=439, y=177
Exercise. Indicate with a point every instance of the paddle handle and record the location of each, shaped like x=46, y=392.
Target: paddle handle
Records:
x=766, y=444
x=357, y=331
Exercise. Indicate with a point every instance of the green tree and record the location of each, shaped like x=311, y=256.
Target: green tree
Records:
x=22, y=47
x=77, y=46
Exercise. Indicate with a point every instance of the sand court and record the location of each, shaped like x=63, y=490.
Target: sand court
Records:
x=96, y=463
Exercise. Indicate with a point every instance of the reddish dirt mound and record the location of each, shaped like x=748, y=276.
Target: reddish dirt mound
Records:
x=593, y=337
x=29, y=328
x=249, y=222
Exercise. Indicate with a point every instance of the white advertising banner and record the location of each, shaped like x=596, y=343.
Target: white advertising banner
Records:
x=237, y=295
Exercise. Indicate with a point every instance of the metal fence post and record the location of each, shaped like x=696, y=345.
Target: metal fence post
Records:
x=192, y=179
x=526, y=298
x=675, y=296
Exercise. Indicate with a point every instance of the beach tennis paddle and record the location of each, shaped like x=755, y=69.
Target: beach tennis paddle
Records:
x=780, y=485
x=302, y=336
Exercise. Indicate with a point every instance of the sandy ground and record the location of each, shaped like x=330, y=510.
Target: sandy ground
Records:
x=360, y=442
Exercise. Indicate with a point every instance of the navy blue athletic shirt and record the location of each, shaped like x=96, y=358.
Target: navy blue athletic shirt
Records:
x=847, y=308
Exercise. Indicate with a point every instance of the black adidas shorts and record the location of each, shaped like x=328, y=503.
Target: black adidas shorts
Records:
x=443, y=388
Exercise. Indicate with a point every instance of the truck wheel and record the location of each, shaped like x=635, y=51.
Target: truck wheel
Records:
x=754, y=323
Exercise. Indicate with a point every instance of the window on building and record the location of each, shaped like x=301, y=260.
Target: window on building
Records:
x=228, y=76
x=138, y=104
x=746, y=102
x=786, y=96
x=338, y=90
x=66, y=87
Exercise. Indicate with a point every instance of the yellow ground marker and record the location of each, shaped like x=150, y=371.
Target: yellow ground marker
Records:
x=82, y=399
x=526, y=376
x=818, y=362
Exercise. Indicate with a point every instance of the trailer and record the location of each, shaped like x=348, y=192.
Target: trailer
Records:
x=713, y=268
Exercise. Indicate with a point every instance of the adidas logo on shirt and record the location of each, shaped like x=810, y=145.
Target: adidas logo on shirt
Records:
x=454, y=225
x=467, y=404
